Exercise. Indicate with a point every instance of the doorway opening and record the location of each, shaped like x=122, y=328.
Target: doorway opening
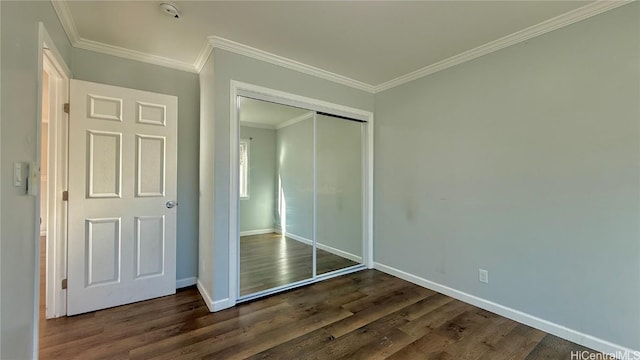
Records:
x=52, y=159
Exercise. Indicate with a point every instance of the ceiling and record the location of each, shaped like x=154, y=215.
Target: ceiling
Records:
x=267, y=114
x=368, y=42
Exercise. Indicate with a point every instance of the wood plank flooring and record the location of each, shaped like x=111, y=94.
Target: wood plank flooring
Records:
x=364, y=315
x=271, y=260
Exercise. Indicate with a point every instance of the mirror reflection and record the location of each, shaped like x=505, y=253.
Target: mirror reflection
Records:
x=276, y=181
x=339, y=201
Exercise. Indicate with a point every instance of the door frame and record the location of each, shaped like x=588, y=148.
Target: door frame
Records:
x=238, y=88
x=57, y=182
x=56, y=257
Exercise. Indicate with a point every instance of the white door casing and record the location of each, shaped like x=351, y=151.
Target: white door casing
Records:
x=122, y=173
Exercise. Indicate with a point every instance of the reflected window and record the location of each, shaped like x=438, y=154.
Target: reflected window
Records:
x=244, y=169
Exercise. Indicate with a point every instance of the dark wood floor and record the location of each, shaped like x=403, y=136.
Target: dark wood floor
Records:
x=364, y=315
x=271, y=260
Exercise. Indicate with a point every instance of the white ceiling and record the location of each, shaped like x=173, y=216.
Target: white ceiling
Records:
x=266, y=114
x=372, y=42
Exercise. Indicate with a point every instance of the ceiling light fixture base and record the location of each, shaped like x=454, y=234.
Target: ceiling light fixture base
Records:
x=170, y=9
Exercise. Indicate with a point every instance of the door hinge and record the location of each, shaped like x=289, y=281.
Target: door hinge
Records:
x=64, y=284
x=65, y=195
x=66, y=107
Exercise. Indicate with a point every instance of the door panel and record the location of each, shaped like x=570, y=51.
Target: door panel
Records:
x=122, y=237
x=339, y=187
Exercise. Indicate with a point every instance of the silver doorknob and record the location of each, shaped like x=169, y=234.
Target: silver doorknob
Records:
x=171, y=204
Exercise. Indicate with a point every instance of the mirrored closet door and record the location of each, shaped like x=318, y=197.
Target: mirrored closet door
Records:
x=301, y=196
x=339, y=193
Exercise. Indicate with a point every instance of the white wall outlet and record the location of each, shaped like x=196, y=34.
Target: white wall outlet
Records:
x=483, y=276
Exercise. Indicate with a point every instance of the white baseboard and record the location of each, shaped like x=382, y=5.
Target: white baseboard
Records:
x=577, y=337
x=326, y=248
x=299, y=238
x=205, y=295
x=223, y=304
x=339, y=252
x=213, y=305
x=182, y=283
x=257, y=232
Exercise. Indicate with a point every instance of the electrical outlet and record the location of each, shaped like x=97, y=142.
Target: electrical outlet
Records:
x=483, y=276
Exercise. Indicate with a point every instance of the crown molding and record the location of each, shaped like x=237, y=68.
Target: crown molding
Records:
x=203, y=56
x=134, y=55
x=296, y=120
x=544, y=27
x=257, y=125
x=241, y=49
x=66, y=19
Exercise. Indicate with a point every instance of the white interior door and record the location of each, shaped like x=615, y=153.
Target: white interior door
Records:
x=122, y=182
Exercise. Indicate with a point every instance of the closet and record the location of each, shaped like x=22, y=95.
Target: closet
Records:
x=303, y=200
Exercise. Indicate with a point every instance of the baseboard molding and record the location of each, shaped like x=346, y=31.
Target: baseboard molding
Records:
x=298, y=238
x=184, y=282
x=223, y=304
x=205, y=296
x=326, y=248
x=566, y=333
x=257, y=232
x=213, y=305
x=339, y=252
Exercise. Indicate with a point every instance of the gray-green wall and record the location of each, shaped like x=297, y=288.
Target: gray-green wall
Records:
x=258, y=211
x=524, y=162
x=111, y=70
x=19, y=65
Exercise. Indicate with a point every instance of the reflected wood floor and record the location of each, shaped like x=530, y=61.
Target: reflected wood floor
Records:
x=271, y=260
x=364, y=315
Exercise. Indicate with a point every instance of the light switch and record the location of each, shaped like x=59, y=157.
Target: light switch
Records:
x=17, y=174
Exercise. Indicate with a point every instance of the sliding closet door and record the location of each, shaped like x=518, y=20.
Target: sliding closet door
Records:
x=276, y=196
x=339, y=199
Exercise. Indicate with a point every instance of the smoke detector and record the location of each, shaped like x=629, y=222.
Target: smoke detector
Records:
x=170, y=9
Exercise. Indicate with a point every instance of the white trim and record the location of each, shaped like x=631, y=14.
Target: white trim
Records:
x=266, y=94
x=339, y=252
x=296, y=120
x=203, y=56
x=66, y=19
x=134, y=55
x=56, y=242
x=298, y=238
x=257, y=125
x=257, y=232
x=516, y=315
x=48, y=55
x=205, y=295
x=568, y=18
x=289, y=122
x=68, y=24
x=241, y=49
x=234, y=194
x=327, y=248
x=186, y=282
x=223, y=304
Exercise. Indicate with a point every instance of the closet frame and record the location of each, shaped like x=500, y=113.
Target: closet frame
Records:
x=319, y=106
